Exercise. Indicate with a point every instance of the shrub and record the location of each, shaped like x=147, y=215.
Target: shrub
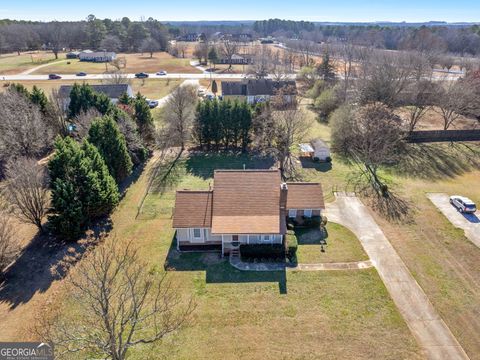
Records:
x=312, y=222
x=324, y=221
x=292, y=246
x=266, y=251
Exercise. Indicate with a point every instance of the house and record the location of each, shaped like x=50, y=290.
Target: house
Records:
x=97, y=56
x=73, y=55
x=113, y=91
x=243, y=207
x=243, y=37
x=192, y=37
x=317, y=150
x=258, y=90
x=236, y=60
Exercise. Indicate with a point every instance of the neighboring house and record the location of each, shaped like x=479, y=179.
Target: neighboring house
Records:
x=113, y=91
x=243, y=37
x=258, y=90
x=317, y=150
x=97, y=56
x=236, y=60
x=191, y=37
x=73, y=55
x=243, y=207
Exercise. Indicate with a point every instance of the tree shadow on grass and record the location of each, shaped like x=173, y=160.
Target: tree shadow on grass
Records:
x=42, y=262
x=204, y=164
x=440, y=160
x=218, y=269
x=308, y=163
x=307, y=236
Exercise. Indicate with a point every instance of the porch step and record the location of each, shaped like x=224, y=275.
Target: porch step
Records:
x=235, y=253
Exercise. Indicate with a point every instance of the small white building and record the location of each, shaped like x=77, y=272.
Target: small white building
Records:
x=321, y=151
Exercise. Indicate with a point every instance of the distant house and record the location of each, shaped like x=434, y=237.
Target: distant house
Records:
x=258, y=90
x=236, y=60
x=97, y=56
x=316, y=149
x=113, y=91
x=243, y=37
x=192, y=37
x=244, y=207
x=73, y=55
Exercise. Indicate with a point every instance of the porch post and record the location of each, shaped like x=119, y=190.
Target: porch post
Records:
x=222, y=246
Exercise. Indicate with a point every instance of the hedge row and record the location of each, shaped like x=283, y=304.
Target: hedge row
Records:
x=269, y=251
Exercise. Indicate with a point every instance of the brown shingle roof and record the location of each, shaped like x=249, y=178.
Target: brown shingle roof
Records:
x=246, y=202
x=193, y=209
x=305, y=196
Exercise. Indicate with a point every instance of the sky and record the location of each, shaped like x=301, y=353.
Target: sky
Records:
x=312, y=10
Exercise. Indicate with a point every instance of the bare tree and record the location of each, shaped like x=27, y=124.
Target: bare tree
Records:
x=179, y=113
x=150, y=45
x=348, y=56
x=56, y=117
x=116, y=77
x=111, y=43
x=418, y=100
x=201, y=52
x=83, y=121
x=8, y=248
x=123, y=304
x=26, y=189
x=369, y=137
x=228, y=49
x=23, y=130
x=455, y=98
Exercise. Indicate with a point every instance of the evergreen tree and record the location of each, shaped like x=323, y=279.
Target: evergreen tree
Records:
x=214, y=87
x=82, y=187
x=124, y=99
x=326, y=70
x=110, y=142
x=20, y=89
x=37, y=96
x=245, y=124
x=144, y=119
x=213, y=56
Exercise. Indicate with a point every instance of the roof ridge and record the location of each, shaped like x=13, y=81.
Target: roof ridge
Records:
x=194, y=191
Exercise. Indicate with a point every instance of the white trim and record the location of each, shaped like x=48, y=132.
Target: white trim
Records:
x=305, y=213
x=195, y=239
x=292, y=213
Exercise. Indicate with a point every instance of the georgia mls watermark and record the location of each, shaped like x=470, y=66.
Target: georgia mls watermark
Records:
x=26, y=351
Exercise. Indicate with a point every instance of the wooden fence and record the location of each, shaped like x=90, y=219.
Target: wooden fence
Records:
x=443, y=136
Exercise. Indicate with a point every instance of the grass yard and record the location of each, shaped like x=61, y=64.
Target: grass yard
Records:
x=342, y=246
x=134, y=63
x=15, y=64
x=150, y=88
x=348, y=315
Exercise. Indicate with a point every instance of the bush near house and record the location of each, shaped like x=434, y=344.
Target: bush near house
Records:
x=292, y=245
x=262, y=251
x=311, y=222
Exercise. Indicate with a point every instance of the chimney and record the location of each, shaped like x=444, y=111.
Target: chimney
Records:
x=283, y=195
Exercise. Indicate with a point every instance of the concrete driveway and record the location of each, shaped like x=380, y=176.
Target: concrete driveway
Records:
x=431, y=332
x=470, y=223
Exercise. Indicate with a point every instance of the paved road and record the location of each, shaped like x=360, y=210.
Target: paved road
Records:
x=431, y=332
x=468, y=222
x=25, y=77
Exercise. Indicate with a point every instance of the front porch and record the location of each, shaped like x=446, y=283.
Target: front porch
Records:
x=232, y=242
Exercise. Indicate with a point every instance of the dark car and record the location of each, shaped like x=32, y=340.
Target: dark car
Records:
x=54, y=77
x=141, y=75
x=81, y=73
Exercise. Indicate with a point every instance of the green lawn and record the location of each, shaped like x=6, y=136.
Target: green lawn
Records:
x=245, y=315
x=342, y=246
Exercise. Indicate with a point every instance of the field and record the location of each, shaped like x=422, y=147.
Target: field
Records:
x=342, y=246
x=150, y=88
x=14, y=63
x=134, y=63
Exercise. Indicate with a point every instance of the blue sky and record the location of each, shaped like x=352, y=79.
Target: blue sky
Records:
x=314, y=10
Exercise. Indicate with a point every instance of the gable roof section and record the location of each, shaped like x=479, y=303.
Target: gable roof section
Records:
x=113, y=91
x=246, y=202
x=255, y=87
x=305, y=196
x=193, y=209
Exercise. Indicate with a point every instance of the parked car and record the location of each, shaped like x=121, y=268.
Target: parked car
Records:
x=141, y=75
x=463, y=204
x=54, y=76
x=152, y=103
x=81, y=73
x=162, y=73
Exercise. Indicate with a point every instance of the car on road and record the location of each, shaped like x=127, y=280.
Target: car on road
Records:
x=54, y=77
x=141, y=75
x=81, y=73
x=152, y=103
x=162, y=73
x=463, y=204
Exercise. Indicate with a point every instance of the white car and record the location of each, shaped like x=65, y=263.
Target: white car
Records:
x=162, y=73
x=152, y=103
x=463, y=204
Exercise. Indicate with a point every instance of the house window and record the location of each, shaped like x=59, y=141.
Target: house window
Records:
x=197, y=233
x=266, y=238
x=307, y=213
x=292, y=213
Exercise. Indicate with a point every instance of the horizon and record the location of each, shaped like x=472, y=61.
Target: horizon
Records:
x=349, y=11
